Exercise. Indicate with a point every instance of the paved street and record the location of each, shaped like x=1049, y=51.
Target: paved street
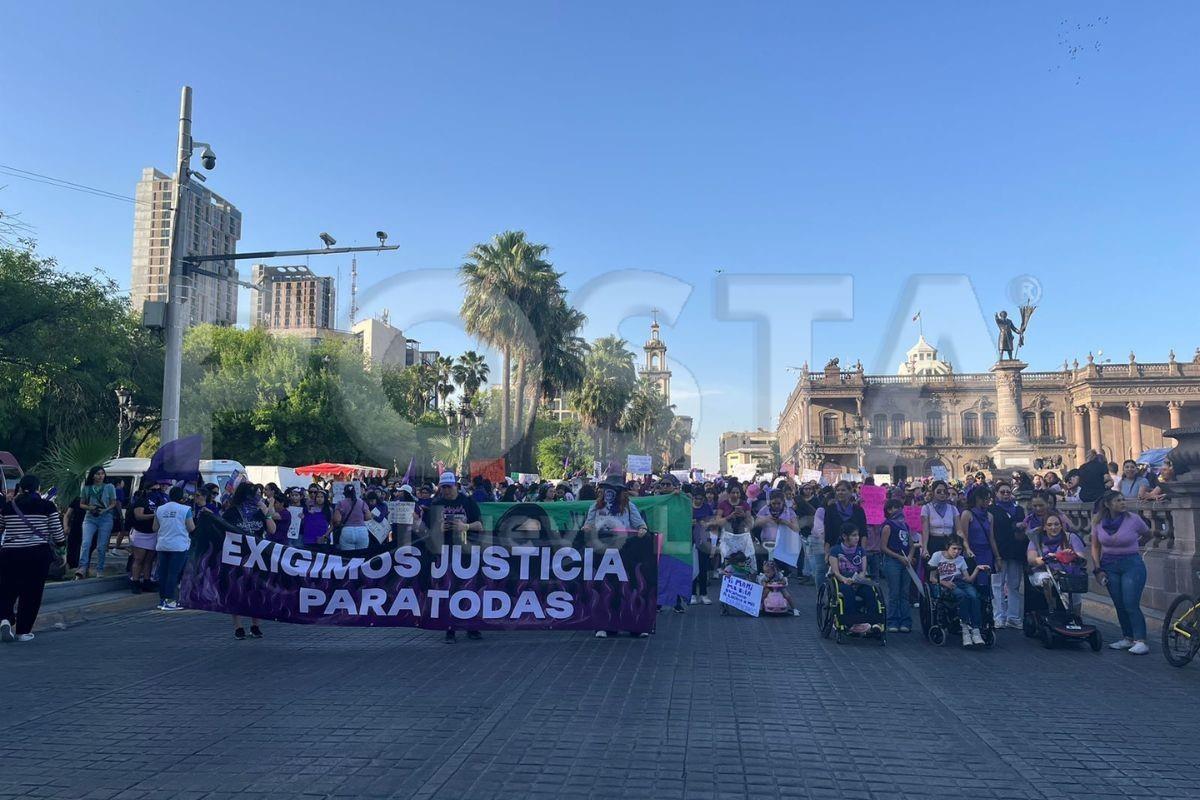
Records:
x=170, y=706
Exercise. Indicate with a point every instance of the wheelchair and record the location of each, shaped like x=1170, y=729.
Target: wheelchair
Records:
x=833, y=621
x=939, y=615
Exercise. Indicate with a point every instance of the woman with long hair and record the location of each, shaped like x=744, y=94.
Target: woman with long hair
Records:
x=976, y=527
x=249, y=512
x=30, y=527
x=99, y=503
x=1117, y=539
x=612, y=514
x=938, y=520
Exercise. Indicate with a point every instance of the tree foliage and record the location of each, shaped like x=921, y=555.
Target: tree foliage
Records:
x=67, y=341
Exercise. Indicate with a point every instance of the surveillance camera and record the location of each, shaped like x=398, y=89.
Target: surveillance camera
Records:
x=382, y=237
x=328, y=240
x=208, y=158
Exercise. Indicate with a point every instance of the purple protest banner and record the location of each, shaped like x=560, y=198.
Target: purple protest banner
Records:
x=548, y=585
x=872, y=499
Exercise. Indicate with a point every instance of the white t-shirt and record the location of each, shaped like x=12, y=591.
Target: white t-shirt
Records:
x=172, y=527
x=948, y=570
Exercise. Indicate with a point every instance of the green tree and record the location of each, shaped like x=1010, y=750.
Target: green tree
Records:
x=67, y=341
x=608, y=384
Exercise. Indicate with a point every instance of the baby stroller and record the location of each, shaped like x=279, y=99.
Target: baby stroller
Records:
x=1058, y=621
x=832, y=620
x=939, y=614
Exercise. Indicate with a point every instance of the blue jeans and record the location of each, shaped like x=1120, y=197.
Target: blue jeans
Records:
x=1126, y=581
x=815, y=564
x=354, y=537
x=859, y=600
x=1007, y=606
x=97, y=529
x=899, y=610
x=170, y=567
x=969, y=609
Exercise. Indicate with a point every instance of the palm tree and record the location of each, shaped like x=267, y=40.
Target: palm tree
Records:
x=470, y=372
x=561, y=368
x=607, y=386
x=443, y=372
x=501, y=277
x=426, y=385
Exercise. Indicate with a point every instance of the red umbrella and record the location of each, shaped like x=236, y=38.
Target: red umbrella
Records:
x=341, y=471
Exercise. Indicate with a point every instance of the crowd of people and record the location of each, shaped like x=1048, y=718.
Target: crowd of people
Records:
x=974, y=539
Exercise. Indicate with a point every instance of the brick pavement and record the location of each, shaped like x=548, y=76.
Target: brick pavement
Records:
x=148, y=705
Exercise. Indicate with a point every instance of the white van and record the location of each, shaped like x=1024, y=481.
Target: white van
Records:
x=214, y=470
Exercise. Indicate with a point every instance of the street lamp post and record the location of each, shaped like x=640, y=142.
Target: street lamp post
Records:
x=460, y=419
x=858, y=436
x=180, y=266
x=811, y=453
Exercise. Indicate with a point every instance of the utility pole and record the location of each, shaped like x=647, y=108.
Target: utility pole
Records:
x=177, y=310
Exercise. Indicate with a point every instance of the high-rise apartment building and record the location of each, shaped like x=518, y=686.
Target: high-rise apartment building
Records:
x=210, y=225
x=292, y=297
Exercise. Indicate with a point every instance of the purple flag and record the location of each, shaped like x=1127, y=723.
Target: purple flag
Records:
x=177, y=461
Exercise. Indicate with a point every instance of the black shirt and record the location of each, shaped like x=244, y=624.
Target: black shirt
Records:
x=462, y=507
x=1091, y=480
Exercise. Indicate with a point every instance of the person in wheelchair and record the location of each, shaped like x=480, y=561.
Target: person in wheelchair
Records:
x=1053, y=548
x=858, y=593
x=949, y=574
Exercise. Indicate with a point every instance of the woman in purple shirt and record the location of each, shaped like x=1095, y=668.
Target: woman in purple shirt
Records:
x=1117, y=538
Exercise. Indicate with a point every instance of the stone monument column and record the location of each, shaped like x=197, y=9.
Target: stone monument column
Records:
x=1080, y=434
x=1135, y=427
x=1012, y=447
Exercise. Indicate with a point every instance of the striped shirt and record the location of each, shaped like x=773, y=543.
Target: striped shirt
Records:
x=41, y=514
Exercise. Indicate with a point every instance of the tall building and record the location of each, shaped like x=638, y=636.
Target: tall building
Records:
x=290, y=298
x=210, y=225
x=382, y=345
x=930, y=416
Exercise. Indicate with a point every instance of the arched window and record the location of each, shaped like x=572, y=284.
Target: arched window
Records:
x=1047, y=425
x=898, y=426
x=933, y=425
x=989, y=425
x=879, y=427
x=1029, y=419
x=654, y=361
x=970, y=423
x=829, y=428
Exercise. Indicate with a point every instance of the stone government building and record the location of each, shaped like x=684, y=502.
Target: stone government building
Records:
x=927, y=415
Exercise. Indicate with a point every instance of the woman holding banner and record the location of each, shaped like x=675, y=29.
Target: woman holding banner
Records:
x=613, y=515
x=251, y=515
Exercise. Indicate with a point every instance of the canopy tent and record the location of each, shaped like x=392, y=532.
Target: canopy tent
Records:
x=341, y=471
x=1154, y=457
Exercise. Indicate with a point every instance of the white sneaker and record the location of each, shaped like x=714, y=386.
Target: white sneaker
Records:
x=6, y=631
x=705, y=601
x=976, y=636
x=1139, y=649
x=1121, y=644
x=694, y=600
x=967, y=641
x=601, y=634
x=28, y=637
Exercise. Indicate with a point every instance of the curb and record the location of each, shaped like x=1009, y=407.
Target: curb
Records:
x=60, y=615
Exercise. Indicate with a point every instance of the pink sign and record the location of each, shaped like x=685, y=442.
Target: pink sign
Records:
x=912, y=515
x=873, y=498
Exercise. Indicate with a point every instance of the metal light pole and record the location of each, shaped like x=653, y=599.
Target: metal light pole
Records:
x=176, y=307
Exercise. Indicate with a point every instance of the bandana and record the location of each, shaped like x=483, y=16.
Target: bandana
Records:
x=1112, y=524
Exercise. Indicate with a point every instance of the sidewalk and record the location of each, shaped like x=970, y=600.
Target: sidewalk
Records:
x=67, y=603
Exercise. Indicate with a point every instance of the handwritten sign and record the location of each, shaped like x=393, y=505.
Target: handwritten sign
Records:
x=873, y=498
x=940, y=473
x=400, y=512
x=810, y=476
x=741, y=594
x=638, y=465
x=912, y=515
x=881, y=478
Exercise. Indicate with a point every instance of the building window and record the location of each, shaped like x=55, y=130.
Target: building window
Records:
x=970, y=423
x=989, y=425
x=879, y=424
x=1047, y=425
x=1027, y=419
x=898, y=426
x=933, y=425
x=829, y=428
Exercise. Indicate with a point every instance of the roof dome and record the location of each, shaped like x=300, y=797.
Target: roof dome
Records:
x=922, y=360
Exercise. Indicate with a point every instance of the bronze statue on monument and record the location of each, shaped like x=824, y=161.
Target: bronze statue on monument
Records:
x=1011, y=333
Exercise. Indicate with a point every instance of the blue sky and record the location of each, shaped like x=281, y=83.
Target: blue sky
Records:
x=870, y=142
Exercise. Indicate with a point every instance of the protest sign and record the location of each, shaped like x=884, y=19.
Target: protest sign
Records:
x=831, y=474
x=810, y=475
x=939, y=473
x=912, y=515
x=400, y=512
x=745, y=472
x=881, y=478
x=490, y=468
x=872, y=499
x=787, y=546
x=741, y=594
x=638, y=465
